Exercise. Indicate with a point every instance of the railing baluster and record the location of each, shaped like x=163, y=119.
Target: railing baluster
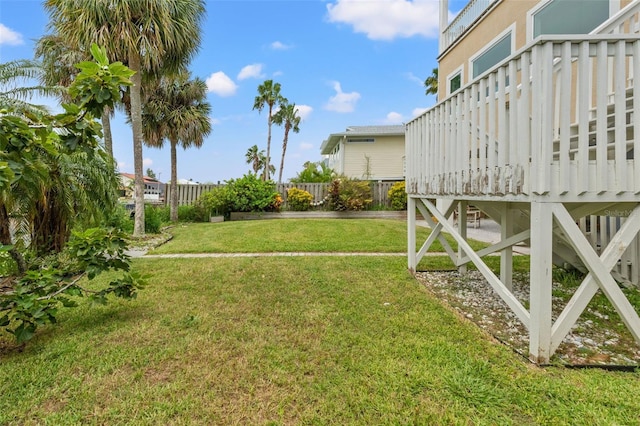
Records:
x=601, y=116
x=565, y=117
x=583, y=106
x=620, y=120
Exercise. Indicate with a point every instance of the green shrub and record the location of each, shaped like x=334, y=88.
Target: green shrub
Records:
x=192, y=213
x=120, y=219
x=298, y=199
x=152, y=220
x=218, y=201
x=251, y=194
x=349, y=194
x=398, y=196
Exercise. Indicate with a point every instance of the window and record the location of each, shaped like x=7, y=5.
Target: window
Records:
x=570, y=17
x=359, y=140
x=455, y=83
x=496, y=53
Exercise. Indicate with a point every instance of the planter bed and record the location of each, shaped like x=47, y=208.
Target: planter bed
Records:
x=383, y=214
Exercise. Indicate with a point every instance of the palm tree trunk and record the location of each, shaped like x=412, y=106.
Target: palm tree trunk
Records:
x=136, y=124
x=174, y=182
x=284, y=149
x=106, y=129
x=266, y=172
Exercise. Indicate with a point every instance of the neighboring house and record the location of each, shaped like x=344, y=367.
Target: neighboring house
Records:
x=367, y=152
x=153, y=188
x=536, y=126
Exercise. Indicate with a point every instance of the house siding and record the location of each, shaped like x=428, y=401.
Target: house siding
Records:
x=505, y=14
x=385, y=158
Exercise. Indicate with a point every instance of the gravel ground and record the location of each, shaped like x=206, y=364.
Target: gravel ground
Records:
x=598, y=338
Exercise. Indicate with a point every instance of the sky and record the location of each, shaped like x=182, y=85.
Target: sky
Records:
x=342, y=62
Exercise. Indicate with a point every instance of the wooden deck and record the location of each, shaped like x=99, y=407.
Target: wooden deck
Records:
x=545, y=144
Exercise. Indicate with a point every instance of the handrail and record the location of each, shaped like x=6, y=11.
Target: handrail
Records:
x=467, y=16
x=611, y=24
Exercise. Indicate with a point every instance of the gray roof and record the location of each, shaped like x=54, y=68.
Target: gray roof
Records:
x=392, y=130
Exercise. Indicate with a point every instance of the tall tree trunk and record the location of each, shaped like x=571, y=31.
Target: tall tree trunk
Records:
x=284, y=149
x=136, y=125
x=174, y=182
x=5, y=239
x=106, y=129
x=266, y=171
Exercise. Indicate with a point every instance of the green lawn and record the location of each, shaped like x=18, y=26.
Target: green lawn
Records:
x=280, y=340
x=296, y=235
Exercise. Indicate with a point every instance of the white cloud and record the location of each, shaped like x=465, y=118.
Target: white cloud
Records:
x=214, y=121
x=8, y=36
x=277, y=73
x=122, y=165
x=220, y=84
x=306, y=146
x=394, y=118
x=251, y=71
x=147, y=162
x=387, y=19
x=417, y=111
x=304, y=111
x=412, y=77
x=277, y=45
x=342, y=102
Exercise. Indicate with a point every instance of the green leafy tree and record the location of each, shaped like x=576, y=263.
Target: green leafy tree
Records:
x=268, y=95
x=431, y=83
x=177, y=111
x=58, y=65
x=33, y=150
x=152, y=37
x=255, y=158
x=288, y=116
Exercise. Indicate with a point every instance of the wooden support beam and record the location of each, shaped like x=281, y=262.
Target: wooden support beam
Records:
x=511, y=301
x=599, y=274
x=462, y=229
x=506, y=257
x=511, y=241
x=540, y=283
x=436, y=229
x=411, y=235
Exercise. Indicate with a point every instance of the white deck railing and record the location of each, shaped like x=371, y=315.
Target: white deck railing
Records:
x=467, y=17
x=542, y=122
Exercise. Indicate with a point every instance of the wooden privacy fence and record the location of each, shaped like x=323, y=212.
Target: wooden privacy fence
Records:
x=188, y=194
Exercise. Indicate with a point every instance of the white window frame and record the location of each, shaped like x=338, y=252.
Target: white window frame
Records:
x=451, y=76
x=614, y=7
x=510, y=29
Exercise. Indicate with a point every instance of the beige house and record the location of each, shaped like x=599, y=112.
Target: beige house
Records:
x=367, y=152
x=536, y=126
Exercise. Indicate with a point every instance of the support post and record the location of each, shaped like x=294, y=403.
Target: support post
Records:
x=506, y=256
x=462, y=230
x=540, y=282
x=411, y=234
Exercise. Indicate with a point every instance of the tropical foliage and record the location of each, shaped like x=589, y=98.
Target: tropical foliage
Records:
x=52, y=178
x=258, y=161
x=152, y=37
x=177, y=111
x=317, y=172
x=288, y=117
x=398, y=196
x=269, y=96
x=349, y=194
x=431, y=83
x=299, y=199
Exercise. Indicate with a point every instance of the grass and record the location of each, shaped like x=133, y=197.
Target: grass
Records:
x=296, y=235
x=277, y=340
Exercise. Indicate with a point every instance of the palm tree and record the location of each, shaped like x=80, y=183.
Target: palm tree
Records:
x=287, y=115
x=14, y=94
x=268, y=94
x=177, y=110
x=58, y=63
x=255, y=158
x=149, y=36
x=431, y=83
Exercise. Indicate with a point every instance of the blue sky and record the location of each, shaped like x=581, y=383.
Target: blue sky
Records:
x=343, y=62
